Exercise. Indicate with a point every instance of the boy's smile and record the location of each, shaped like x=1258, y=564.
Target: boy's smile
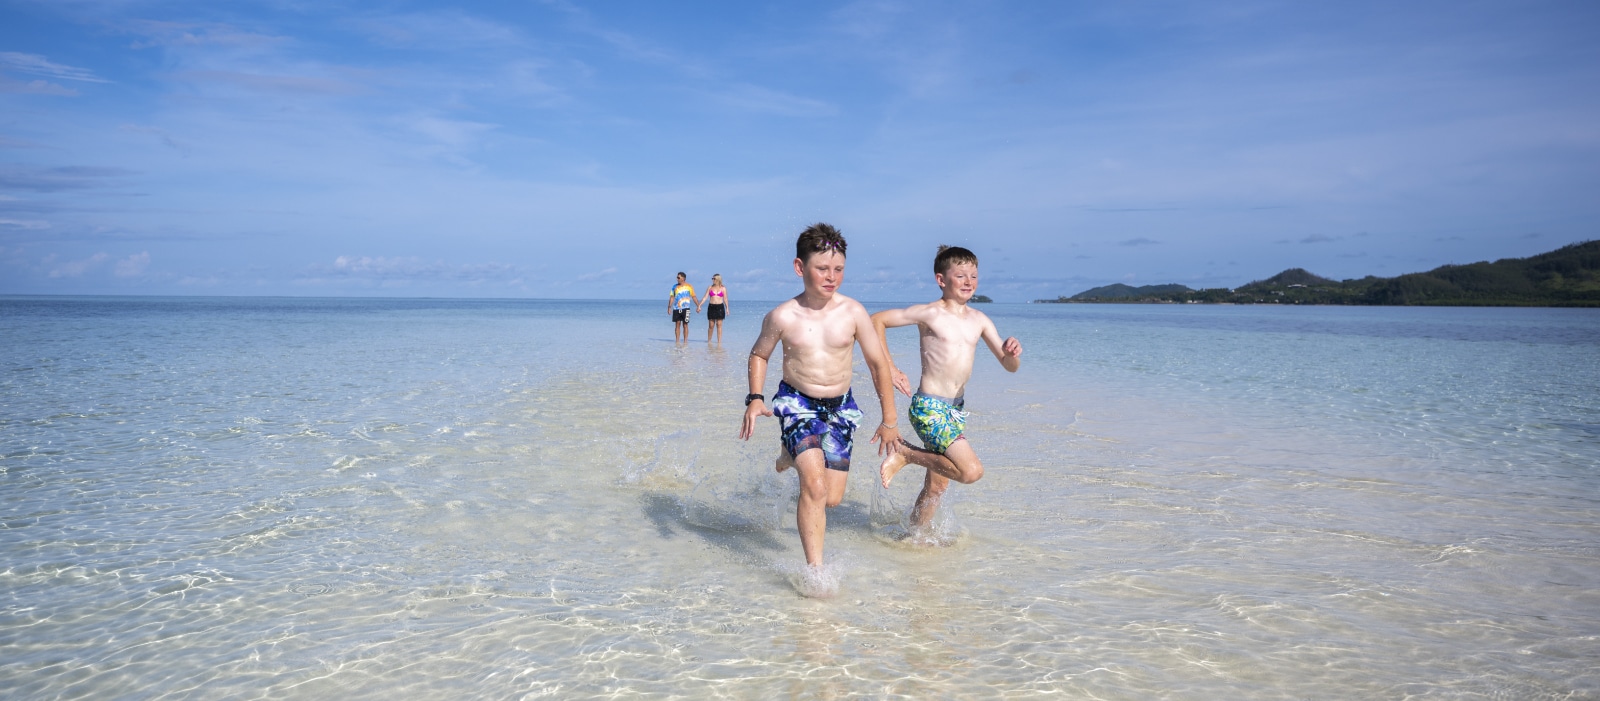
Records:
x=959, y=281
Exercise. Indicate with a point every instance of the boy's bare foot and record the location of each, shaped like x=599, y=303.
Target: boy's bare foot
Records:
x=890, y=467
x=784, y=462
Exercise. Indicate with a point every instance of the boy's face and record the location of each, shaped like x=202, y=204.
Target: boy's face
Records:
x=959, y=281
x=822, y=272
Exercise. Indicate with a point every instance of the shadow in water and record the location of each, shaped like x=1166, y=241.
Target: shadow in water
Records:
x=667, y=514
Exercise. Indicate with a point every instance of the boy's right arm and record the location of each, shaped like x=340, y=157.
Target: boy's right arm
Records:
x=881, y=323
x=759, y=353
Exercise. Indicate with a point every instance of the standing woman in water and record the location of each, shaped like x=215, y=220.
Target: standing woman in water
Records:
x=716, y=303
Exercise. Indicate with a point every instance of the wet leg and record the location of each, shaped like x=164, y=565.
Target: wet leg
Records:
x=959, y=463
x=816, y=495
x=928, y=500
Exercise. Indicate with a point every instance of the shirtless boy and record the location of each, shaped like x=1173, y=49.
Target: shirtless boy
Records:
x=819, y=329
x=950, y=331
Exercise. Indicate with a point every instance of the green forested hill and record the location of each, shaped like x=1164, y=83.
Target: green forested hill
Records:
x=1568, y=276
x=1121, y=292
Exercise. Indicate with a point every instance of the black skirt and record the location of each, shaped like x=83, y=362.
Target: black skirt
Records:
x=716, y=312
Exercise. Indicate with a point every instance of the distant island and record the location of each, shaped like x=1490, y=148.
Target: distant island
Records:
x=981, y=298
x=1566, y=277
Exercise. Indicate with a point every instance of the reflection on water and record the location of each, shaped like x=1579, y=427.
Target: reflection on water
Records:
x=298, y=498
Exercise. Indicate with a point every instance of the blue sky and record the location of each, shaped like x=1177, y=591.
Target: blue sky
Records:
x=592, y=150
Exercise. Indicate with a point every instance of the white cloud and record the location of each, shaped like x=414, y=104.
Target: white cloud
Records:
x=265, y=82
x=24, y=224
x=451, y=132
x=182, y=34
x=439, y=31
x=755, y=275
x=35, y=87
x=74, y=268
x=380, y=268
x=132, y=266
x=598, y=275
x=39, y=65
x=752, y=98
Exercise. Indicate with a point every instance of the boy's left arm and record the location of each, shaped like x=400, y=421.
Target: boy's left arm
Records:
x=887, y=436
x=1009, y=353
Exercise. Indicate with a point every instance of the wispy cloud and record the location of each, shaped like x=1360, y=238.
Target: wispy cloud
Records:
x=35, y=64
x=265, y=82
x=1141, y=241
x=598, y=275
x=74, y=268
x=450, y=132
x=24, y=224
x=756, y=99
x=628, y=45
x=408, y=268
x=195, y=34
x=35, y=87
x=1319, y=238
x=438, y=31
x=132, y=266
x=59, y=178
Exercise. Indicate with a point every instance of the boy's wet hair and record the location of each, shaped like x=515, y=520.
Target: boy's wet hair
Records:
x=951, y=255
x=817, y=238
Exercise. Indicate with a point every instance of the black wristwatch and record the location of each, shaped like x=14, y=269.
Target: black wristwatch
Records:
x=752, y=397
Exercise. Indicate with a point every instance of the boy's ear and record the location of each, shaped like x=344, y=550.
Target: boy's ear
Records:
x=939, y=278
x=799, y=267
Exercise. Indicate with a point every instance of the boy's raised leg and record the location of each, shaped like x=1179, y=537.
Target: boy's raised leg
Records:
x=958, y=463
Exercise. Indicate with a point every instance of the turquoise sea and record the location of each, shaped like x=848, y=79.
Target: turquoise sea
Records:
x=359, y=498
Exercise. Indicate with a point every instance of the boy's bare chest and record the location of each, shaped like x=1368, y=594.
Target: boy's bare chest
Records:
x=952, y=330
x=819, y=334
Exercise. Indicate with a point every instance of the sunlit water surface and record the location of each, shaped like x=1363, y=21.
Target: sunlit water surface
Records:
x=294, y=498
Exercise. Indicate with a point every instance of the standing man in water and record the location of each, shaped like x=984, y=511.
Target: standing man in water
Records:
x=678, y=303
x=819, y=330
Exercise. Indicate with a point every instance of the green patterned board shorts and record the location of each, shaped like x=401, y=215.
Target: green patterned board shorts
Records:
x=938, y=421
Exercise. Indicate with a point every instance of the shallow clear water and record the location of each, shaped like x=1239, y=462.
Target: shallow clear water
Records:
x=426, y=498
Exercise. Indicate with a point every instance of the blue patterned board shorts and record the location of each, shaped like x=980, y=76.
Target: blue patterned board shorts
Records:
x=809, y=423
x=938, y=421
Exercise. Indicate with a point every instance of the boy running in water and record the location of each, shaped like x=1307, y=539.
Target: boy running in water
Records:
x=950, y=332
x=819, y=329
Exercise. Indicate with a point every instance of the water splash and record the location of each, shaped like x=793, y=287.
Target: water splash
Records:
x=673, y=460
x=891, y=521
x=745, y=500
x=816, y=582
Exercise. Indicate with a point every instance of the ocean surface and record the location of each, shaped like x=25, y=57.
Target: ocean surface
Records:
x=438, y=499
